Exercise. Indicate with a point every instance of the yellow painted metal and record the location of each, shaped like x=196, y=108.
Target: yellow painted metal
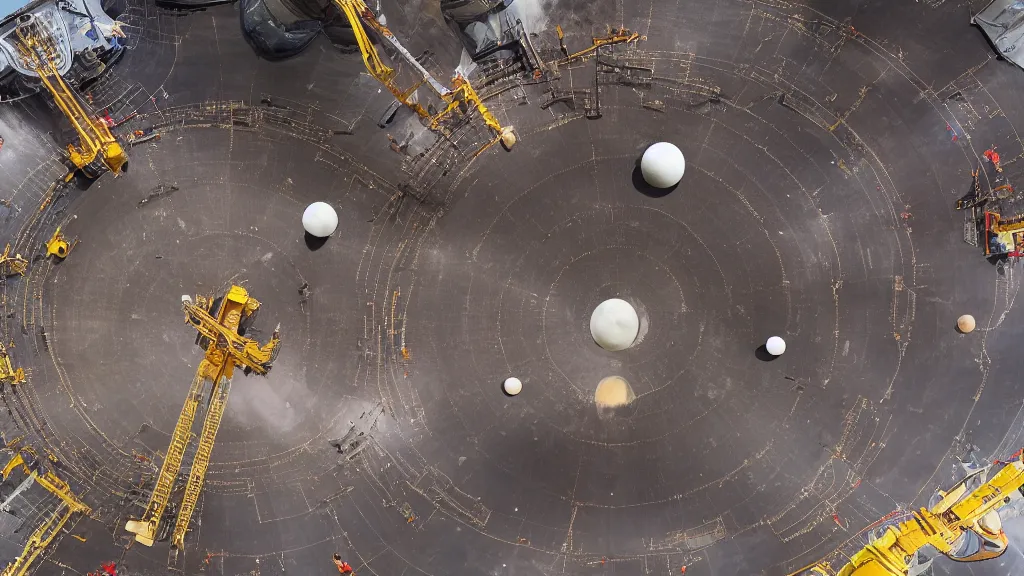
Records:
x=941, y=526
x=145, y=529
x=614, y=36
x=8, y=373
x=358, y=14
x=11, y=265
x=225, y=349
x=57, y=245
x=45, y=533
x=197, y=475
x=1014, y=224
x=38, y=51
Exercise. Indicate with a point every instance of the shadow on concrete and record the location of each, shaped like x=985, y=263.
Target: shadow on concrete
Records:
x=314, y=243
x=762, y=354
x=646, y=189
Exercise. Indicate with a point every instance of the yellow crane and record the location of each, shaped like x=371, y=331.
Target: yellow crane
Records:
x=221, y=324
x=48, y=530
x=613, y=36
x=97, y=149
x=967, y=511
x=460, y=98
x=8, y=373
x=11, y=265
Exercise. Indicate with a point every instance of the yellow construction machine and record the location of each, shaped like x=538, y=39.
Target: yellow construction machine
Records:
x=221, y=323
x=461, y=98
x=8, y=373
x=962, y=523
x=97, y=150
x=11, y=265
x=25, y=459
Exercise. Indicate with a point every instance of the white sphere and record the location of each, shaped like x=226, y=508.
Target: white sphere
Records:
x=513, y=386
x=320, y=219
x=614, y=325
x=776, y=346
x=663, y=165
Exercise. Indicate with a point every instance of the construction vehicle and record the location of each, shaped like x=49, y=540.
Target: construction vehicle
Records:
x=222, y=324
x=962, y=523
x=57, y=245
x=25, y=459
x=8, y=373
x=1004, y=236
x=11, y=265
x=460, y=99
x=97, y=150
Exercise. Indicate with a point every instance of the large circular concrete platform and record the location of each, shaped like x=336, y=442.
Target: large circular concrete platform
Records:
x=382, y=433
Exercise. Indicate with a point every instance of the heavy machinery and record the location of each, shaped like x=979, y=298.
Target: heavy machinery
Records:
x=8, y=373
x=97, y=150
x=962, y=523
x=25, y=459
x=11, y=265
x=57, y=245
x=222, y=324
x=461, y=98
x=1004, y=236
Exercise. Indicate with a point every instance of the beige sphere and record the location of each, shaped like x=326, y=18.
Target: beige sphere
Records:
x=966, y=323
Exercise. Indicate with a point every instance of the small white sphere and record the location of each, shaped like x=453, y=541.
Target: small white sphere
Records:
x=320, y=219
x=614, y=325
x=663, y=165
x=512, y=386
x=776, y=346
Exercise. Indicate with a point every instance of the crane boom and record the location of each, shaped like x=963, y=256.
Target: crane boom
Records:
x=145, y=529
x=43, y=535
x=960, y=512
x=225, y=347
x=201, y=462
x=97, y=150
x=461, y=96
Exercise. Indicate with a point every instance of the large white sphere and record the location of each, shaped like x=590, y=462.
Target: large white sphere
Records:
x=512, y=386
x=663, y=165
x=320, y=219
x=614, y=325
x=776, y=346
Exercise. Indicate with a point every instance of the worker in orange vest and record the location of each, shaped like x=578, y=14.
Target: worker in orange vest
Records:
x=343, y=567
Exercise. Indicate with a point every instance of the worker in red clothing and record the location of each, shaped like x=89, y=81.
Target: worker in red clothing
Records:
x=343, y=567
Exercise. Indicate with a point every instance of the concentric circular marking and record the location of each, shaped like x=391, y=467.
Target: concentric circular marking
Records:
x=805, y=142
x=199, y=236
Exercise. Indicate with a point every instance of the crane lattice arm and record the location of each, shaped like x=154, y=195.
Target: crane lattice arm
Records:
x=958, y=512
x=48, y=530
x=38, y=52
x=145, y=529
x=225, y=348
x=358, y=13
